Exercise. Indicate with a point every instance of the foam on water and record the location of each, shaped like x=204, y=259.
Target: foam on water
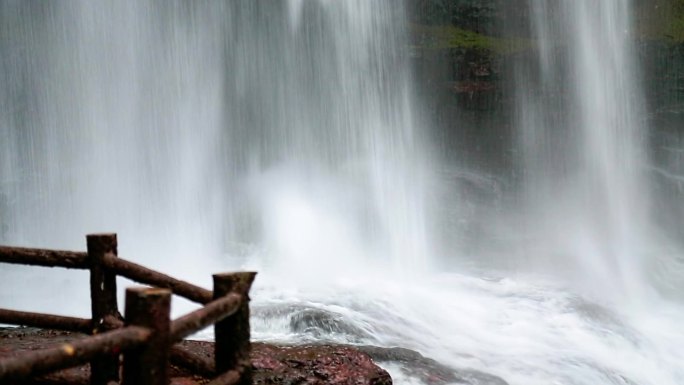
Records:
x=522, y=330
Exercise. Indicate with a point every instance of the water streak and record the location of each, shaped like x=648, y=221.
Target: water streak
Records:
x=284, y=136
x=201, y=129
x=582, y=139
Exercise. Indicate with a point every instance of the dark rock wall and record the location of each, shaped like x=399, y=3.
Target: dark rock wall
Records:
x=464, y=52
x=462, y=59
x=663, y=64
x=465, y=56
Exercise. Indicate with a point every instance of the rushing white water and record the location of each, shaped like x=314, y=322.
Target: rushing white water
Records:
x=583, y=142
x=524, y=333
x=197, y=126
x=284, y=137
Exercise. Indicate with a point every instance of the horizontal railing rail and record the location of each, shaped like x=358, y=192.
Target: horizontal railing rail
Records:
x=208, y=315
x=122, y=267
x=146, y=335
x=45, y=321
x=142, y=274
x=46, y=258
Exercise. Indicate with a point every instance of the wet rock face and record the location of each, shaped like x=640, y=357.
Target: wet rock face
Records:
x=476, y=15
x=285, y=364
x=315, y=324
x=320, y=323
x=427, y=370
x=323, y=364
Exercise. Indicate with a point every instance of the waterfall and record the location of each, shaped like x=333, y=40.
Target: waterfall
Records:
x=325, y=126
x=286, y=136
x=112, y=121
x=582, y=140
x=206, y=129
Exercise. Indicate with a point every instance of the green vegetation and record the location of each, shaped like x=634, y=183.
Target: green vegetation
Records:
x=449, y=37
x=661, y=20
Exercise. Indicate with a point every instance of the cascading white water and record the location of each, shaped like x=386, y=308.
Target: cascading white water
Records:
x=326, y=134
x=112, y=120
x=195, y=129
x=583, y=131
x=285, y=131
x=585, y=223
x=284, y=136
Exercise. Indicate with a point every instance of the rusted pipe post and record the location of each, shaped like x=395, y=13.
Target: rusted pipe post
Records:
x=232, y=347
x=148, y=364
x=103, y=302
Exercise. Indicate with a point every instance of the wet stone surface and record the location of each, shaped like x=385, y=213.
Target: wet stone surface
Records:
x=427, y=370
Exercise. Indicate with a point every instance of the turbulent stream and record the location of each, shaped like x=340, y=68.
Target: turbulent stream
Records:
x=287, y=137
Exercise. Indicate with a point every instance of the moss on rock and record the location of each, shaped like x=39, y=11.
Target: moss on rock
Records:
x=449, y=37
x=661, y=20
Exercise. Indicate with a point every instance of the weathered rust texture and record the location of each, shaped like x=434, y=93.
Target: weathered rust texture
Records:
x=46, y=321
x=38, y=362
x=232, y=334
x=208, y=315
x=103, y=301
x=231, y=377
x=153, y=278
x=47, y=258
x=148, y=364
x=196, y=364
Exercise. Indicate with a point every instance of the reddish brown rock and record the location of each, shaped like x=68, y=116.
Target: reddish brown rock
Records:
x=287, y=365
x=324, y=364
